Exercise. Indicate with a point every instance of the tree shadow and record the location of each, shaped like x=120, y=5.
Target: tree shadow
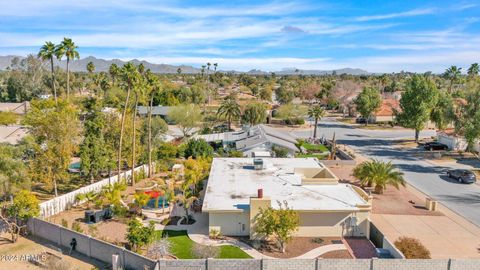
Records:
x=470, y=198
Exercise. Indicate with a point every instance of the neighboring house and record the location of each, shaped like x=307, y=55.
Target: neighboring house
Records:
x=258, y=138
x=18, y=108
x=161, y=111
x=386, y=112
x=456, y=143
x=238, y=187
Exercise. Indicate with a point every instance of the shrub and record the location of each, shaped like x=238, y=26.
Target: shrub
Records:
x=412, y=248
x=8, y=118
x=214, y=234
x=198, y=148
x=76, y=227
x=64, y=223
x=280, y=152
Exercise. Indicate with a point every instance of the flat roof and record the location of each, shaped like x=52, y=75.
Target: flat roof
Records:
x=233, y=181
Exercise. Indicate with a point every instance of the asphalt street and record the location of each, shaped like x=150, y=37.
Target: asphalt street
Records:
x=425, y=176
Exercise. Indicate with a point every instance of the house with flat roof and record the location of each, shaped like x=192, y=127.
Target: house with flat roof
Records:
x=260, y=138
x=238, y=188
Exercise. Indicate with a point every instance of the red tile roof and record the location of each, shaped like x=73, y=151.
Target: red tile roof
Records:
x=388, y=107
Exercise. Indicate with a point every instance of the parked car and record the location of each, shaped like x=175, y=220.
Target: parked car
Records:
x=462, y=176
x=430, y=146
x=360, y=120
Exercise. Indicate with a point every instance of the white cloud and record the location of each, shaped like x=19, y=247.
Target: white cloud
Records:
x=410, y=13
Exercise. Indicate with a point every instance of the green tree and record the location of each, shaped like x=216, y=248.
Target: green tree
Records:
x=47, y=52
x=90, y=67
x=278, y=223
x=68, y=49
x=367, y=102
x=94, y=153
x=186, y=199
x=254, y=114
x=139, y=235
x=196, y=148
x=187, y=117
x=87, y=197
x=473, y=70
x=467, y=115
x=56, y=131
x=131, y=78
x=114, y=71
x=452, y=74
x=316, y=112
x=442, y=113
x=379, y=174
x=229, y=109
x=417, y=103
x=15, y=215
x=12, y=169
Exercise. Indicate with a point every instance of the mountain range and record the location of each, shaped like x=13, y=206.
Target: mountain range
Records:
x=103, y=65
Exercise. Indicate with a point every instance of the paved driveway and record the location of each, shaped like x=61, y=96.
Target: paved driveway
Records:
x=425, y=176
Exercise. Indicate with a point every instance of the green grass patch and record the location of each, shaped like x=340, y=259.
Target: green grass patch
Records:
x=315, y=147
x=182, y=246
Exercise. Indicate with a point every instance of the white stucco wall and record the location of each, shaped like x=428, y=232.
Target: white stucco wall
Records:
x=233, y=224
x=332, y=224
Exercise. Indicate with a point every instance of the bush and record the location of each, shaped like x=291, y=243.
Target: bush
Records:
x=76, y=227
x=412, y=248
x=198, y=148
x=294, y=121
x=214, y=234
x=280, y=152
x=8, y=118
x=64, y=223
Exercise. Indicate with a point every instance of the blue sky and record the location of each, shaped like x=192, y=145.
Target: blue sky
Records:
x=379, y=36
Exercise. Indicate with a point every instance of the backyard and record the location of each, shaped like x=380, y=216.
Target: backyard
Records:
x=182, y=246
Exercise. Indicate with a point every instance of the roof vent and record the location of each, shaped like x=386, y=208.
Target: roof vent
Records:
x=258, y=163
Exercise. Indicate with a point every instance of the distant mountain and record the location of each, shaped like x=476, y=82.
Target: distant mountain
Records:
x=103, y=65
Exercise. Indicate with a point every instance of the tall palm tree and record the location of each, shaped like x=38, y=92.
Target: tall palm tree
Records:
x=215, y=65
x=114, y=71
x=229, y=109
x=316, y=112
x=47, y=52
x=68, y=49
x=453, y=74
x=380, y=174
x=153, y=85
x=130, y=76
x=473, y=70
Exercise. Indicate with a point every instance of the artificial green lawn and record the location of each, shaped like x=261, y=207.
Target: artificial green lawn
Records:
x=182, y=246
x=315, y=147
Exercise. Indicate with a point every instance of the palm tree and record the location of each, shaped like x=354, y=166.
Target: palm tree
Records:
x=88, y=197
x=473, y=70
x=113, y=193
x=153, y=86
x=130, y=75
x=47, y=52
x=316, y=112
x=229, y=109
x=380, y=174
x=90, y=67
x=215, y=65
x=453, y=74
x=114, y=71
x=186, y=199
x=69, y=49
